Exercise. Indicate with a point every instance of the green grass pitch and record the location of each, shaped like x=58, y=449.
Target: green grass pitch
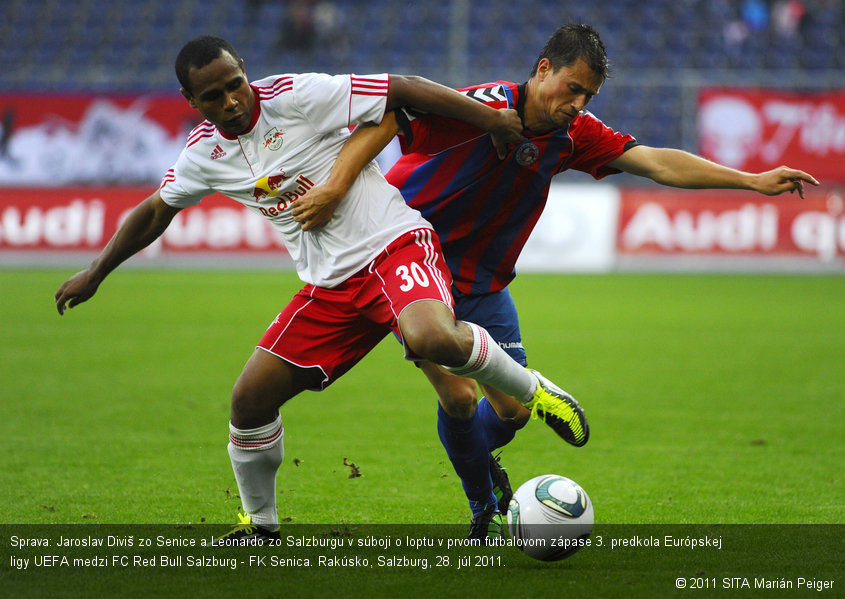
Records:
x=711, y=399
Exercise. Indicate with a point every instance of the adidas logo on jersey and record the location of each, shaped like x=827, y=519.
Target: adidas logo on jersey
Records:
x=217, y=152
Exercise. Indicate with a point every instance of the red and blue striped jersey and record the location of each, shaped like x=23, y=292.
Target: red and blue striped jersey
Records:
x=483, y=208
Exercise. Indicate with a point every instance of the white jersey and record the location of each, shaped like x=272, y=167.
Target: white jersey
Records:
x=299, y=126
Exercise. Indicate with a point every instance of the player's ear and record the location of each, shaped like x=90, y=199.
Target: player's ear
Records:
x=188, y=97
x=544, y=67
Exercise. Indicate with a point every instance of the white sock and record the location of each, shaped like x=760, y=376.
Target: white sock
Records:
x=256, y=455
x=490, y=364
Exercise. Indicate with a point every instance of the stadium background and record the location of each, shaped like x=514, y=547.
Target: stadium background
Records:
x=665, y=56
x=714, y=399
x=661, y=50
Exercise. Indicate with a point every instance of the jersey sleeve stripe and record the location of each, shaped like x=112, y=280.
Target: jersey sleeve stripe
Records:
x=373, y=80
x=204, y=129
x=369, y=86
x=359, y=85
x=279, y=86
x=196, y=138
x=169, y=177
x=283, y=81
x=268, y=93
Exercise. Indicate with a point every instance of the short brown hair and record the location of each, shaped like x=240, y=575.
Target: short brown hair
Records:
x=571, y=42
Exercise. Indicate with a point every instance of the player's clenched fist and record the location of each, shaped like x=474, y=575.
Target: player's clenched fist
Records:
x=509, y=131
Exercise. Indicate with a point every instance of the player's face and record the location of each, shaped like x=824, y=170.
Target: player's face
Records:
x=221, y=93
x=559, y=96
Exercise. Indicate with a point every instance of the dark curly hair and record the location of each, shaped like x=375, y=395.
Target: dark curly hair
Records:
x=199, y=52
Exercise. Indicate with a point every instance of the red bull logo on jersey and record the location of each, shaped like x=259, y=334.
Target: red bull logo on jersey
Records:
x=270, y=187
x=273, y=139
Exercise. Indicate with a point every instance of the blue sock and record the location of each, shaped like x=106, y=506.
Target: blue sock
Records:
x=466, y=446
x=498, y=432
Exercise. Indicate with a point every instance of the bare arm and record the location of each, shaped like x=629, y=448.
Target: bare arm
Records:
x=145, y=224
x=317, y=206
x=504, y=126
x=677, y=168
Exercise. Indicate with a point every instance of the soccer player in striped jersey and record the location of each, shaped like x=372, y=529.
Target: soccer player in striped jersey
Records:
x=376, y=267
x=484, y=208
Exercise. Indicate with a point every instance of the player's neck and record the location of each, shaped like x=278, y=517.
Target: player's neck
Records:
x=532, y=114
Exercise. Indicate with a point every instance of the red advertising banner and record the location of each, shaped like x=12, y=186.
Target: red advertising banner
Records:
x=663, y=223
x=85, y=218
x=760, y=129
x=724, y=223
x=50, y=140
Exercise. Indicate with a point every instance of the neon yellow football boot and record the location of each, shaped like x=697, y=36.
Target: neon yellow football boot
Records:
x=246, y=533
x=559, y=410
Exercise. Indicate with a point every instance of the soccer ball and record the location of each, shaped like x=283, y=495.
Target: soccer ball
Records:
x=550, y=517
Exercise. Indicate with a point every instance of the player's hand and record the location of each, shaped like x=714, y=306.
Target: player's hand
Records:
x=79, y=288
x=783, y=179
x=508, y=130
x=316, y=207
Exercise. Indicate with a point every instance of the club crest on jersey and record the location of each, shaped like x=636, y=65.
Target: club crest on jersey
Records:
x=527, y=154
x=273, y=139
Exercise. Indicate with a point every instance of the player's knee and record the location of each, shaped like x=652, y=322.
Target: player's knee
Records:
x=253, y=404
x=245, y=404
x=264, y=385
x=430, y=331
x=437, y=340
x=459, y=399
x=440, y=345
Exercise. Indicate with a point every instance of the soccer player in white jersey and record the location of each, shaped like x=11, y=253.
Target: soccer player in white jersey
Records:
x=373, y=268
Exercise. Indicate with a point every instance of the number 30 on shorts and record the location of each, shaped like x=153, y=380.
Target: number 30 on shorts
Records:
x=414, y=275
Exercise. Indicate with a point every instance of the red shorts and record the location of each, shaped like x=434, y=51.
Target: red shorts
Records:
x=332, y=329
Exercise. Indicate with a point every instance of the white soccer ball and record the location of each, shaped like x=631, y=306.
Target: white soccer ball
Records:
x=550, y=517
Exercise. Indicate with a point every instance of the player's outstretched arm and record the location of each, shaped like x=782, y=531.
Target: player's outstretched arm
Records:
x=317, y=206
x=504, y=126
x=677, y=168
x=145, y=224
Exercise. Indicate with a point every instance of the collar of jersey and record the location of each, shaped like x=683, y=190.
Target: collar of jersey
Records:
x=520, y=102
x=255, y=114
